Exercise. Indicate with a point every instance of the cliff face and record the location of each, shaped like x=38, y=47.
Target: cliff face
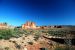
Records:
x=29, y=25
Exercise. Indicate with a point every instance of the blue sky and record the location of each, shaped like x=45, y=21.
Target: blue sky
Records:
x=43, y=12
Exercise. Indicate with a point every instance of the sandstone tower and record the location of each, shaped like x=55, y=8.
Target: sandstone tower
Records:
x=29, y=25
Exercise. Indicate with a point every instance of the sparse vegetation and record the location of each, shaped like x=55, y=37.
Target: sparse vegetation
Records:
x=64, y=48
x=37, y=35
x=59, y=33
x=8, y=33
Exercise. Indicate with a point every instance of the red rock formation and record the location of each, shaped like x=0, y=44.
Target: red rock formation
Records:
x=29, y=25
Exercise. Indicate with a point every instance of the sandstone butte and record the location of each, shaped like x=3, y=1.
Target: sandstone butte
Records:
x=29, y=25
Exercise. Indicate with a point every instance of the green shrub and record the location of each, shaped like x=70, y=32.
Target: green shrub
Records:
x=8, y=33
x=64, y=48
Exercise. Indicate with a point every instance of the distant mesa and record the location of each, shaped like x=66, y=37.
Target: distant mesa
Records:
x=6, y=26
x=3, y=25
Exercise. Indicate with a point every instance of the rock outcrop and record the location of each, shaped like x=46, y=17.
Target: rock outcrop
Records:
x=29, y=25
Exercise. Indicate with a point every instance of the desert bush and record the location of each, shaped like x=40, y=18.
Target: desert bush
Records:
x=7, y=48
x=31, y=43
x=5, y=34
x=37, y=35
x=8, y=33
x=18, y=46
